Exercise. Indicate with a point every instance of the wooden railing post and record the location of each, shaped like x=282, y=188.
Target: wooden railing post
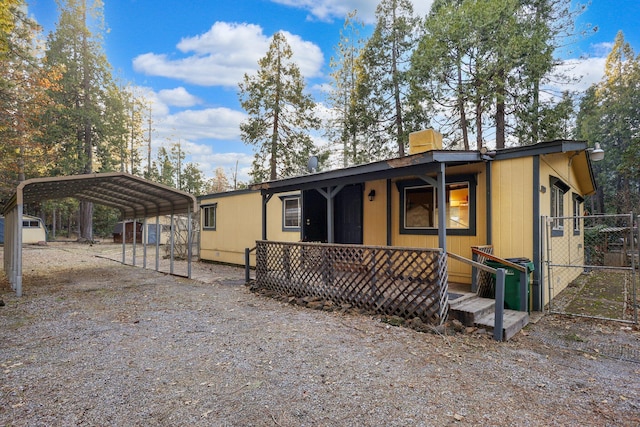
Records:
x=499, y=308
x=247, y=274
x=474, y=273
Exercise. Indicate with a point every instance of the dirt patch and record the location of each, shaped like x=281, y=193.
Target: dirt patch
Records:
x=98, y=343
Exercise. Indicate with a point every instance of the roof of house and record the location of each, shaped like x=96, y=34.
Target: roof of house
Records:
x=429, y=163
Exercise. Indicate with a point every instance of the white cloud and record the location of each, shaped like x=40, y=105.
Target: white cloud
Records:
x=178, y=97
x=229, y=162
x=328, y=10
x=208, y=123
x=587, y=71
x=222, y=55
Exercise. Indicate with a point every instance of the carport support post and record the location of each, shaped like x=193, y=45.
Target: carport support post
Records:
x=145, y=241
x=124, y=239
x=189, y=251
x=157, y=242
x=18, y=251
x=135, y=233
x=172, y=246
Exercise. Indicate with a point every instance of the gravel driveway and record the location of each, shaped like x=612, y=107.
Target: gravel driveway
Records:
x=93, y=342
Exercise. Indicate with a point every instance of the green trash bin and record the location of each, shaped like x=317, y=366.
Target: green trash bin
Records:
x=512, y=281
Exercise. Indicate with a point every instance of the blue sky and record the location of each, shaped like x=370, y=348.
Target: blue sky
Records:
x=187, y=57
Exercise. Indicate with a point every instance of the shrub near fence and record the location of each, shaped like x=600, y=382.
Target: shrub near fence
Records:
x=405, y=282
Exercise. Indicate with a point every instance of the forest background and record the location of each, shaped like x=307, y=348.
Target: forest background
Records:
x=479, y=71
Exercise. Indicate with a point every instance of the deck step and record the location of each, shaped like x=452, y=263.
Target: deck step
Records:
x=512, y=323
x=480, y=312
x=468, y=310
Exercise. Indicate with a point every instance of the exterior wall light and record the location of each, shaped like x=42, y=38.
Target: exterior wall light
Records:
x=596, y=153
x=371, y=195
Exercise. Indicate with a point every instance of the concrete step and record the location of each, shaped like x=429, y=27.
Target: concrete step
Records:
x=475, y=311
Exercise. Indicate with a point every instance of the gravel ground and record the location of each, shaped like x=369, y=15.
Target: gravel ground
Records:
x=93, y=342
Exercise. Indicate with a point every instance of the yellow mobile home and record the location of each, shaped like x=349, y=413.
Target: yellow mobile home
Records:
x=231, y=221
x=435, y=198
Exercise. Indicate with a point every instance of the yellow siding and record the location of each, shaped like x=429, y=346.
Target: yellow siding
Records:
x=459, y=245
x=512, y=208
x=239, y=225
x=375, y=214
x=567, y=249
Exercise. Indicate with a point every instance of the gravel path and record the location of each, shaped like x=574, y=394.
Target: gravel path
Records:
x=93, y=342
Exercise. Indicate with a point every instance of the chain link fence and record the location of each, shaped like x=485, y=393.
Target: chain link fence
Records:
x=591, y=266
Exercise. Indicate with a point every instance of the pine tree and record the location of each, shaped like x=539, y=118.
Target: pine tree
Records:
x=281, y=115
x=23, y=86
x=344, y=125
x=609, y=115
x=382, y=79
x=88, y=112
x=484, y=63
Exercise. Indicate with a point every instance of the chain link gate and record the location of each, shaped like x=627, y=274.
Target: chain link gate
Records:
x=591, y=264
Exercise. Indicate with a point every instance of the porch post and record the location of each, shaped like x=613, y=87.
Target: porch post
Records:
x=265, y=200
x=389, y=225
x=329, y=194
x=489, y=220
x=329, y=197
x=537, y=290
x=442, y=209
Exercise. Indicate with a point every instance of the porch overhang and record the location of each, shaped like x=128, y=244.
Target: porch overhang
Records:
x=417, y=164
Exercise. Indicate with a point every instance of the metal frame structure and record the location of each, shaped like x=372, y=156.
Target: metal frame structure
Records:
x=135, y=197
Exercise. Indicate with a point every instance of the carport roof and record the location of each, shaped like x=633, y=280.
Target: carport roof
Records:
x=135, y=197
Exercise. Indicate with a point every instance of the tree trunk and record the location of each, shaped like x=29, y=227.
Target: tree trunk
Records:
x=86, y=208
x=396, y=91
x=500, y=110
x=463, y=114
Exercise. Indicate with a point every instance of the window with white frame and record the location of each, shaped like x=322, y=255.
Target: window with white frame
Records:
x=30, y=223
x=577, y=212
x=291, y=212
x=209, y=217
x=558, y=190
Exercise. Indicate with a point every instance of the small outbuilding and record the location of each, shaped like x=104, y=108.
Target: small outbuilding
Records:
x=33, y=230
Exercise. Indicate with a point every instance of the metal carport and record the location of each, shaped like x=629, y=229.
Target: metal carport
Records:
x=135, y=197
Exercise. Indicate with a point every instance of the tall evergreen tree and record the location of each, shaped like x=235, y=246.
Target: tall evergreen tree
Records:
x=88, y=111
x=23, y=85
x=609, y=114
x=343, y=126
x=485, y=62
x=382, y=79
x=281, y=115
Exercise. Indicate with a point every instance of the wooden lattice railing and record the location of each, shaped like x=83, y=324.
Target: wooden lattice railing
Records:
x=405, y=282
